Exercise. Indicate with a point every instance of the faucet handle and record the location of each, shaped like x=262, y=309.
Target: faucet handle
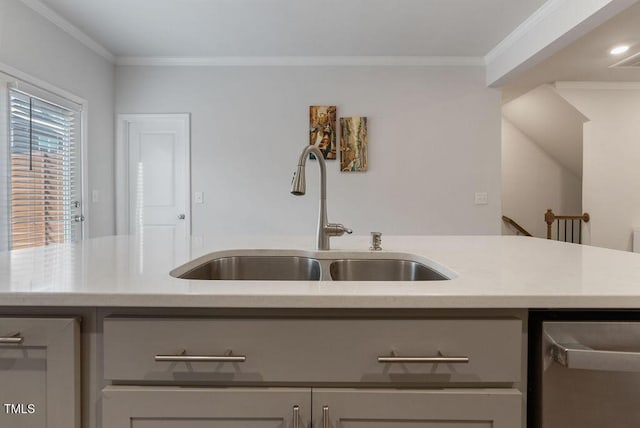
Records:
x=337, y=229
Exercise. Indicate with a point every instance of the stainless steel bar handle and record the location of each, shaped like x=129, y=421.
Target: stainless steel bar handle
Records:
x=183, y=357
x=325, y=417
x=424, y=360
x=296, y=416
x=16, y=339
x=577, y=356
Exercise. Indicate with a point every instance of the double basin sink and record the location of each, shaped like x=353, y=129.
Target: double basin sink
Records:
x=293, y=265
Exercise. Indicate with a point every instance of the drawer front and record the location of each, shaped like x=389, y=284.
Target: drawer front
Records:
x=313, y=350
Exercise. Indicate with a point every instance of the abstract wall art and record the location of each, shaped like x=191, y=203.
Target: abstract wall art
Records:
x=353, y=144
x=322, y=130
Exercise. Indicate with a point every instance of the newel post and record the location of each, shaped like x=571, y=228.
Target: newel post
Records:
x=549, y=218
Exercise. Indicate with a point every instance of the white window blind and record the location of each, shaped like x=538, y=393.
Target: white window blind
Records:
x=43, y=164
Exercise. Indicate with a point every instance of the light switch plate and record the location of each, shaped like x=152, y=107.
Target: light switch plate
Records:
x=482, y=198
x=95, y=196
x=199, y=197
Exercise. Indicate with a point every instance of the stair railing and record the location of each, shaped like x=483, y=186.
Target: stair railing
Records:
x=550, y=218
x=516, y=226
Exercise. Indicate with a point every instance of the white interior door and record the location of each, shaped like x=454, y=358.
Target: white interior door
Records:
x=157, y=147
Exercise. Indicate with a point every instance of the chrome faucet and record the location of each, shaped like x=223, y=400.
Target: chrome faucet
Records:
x=298, y=188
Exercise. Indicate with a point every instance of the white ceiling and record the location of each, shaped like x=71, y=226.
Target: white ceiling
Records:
x=587, y=59
x=243, y=28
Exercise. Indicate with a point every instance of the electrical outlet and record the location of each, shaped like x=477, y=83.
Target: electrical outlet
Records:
x=482, y=198
x=199, y=197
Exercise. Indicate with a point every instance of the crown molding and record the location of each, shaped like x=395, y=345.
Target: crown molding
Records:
x=544, y=11
x=222, y=61
x=606, y=86
x=69, y=28
x=302, y=61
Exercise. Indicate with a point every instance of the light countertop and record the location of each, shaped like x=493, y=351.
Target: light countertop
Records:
x=491, y=272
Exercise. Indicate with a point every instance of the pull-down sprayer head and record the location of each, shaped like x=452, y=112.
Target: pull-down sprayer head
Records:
x=298, y=184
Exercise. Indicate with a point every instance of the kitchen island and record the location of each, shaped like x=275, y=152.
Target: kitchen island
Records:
x=128, y=345
x=490, y=272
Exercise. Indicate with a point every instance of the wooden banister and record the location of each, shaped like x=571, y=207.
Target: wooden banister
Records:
x=515, y=225
x=550, y=218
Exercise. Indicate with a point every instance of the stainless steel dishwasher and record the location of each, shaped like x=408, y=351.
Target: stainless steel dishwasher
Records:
x=586, y=371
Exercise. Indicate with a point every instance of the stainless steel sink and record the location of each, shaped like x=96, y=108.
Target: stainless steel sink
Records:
x=297, y=265
x=382, y=270
x=266, y=268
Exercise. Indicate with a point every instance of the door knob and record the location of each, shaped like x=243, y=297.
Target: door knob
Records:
x=78, y=218
x=181, y=216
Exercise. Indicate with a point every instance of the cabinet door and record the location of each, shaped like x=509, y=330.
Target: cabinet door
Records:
x=445, y=408
x=175, y=407
x=39, y=373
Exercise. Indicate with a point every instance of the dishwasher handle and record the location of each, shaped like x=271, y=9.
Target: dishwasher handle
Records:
x=578, y=356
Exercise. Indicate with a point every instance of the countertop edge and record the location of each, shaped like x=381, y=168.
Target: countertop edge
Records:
x=34, y=299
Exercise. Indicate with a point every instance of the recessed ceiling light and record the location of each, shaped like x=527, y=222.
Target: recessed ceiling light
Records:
x=619, y=50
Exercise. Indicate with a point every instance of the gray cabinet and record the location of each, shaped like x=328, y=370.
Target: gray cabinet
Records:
x=39, y=373
x=435, y=373
x=160, y=407
x=446, y=408
x=313, y=350
x=172, y=407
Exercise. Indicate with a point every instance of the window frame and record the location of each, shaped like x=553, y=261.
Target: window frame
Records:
x=11, y=77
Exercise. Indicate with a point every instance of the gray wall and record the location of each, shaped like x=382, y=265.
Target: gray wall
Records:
x=35, y=46
x=611, y=158
x=434, y=136
x=533, y=181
